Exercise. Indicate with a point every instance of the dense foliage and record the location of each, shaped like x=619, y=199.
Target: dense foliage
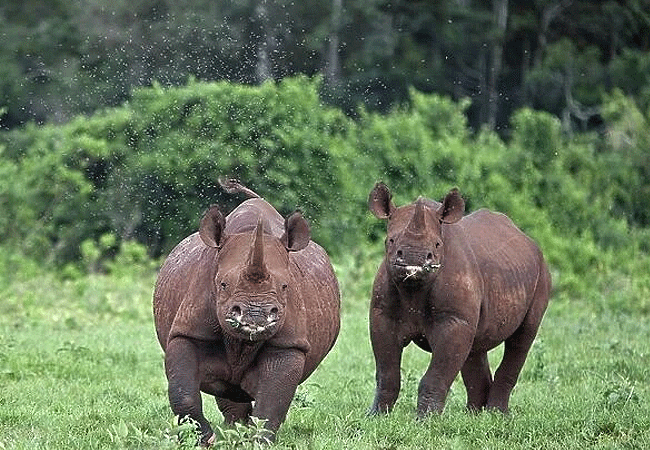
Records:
x=59, y=58
x=145, y=171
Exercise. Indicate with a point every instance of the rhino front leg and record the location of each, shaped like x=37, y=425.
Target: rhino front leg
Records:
x=388, y=357
x=182, y=369
x=388, y=385
x=450, y=339
x=277, y=375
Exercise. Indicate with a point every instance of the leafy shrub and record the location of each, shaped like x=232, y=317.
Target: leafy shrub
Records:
x=96, y=191
x=145, y=171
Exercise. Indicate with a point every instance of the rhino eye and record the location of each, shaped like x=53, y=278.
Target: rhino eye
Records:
x=224, y=285
x=284, y=286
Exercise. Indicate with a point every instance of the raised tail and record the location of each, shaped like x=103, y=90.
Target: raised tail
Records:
x=232, y=186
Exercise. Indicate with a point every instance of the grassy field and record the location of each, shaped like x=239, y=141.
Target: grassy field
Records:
x=80, y=368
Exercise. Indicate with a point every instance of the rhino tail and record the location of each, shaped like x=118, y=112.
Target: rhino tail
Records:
x=233, y=186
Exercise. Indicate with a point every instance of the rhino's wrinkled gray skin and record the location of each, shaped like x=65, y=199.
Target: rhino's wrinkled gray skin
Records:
x=245, y=309
x=457, y=287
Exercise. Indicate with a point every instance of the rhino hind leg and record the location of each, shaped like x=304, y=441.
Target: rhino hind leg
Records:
x=505, y=378
x=518, y=345
x=514, y=356
x=477, y=379
x=234, y=411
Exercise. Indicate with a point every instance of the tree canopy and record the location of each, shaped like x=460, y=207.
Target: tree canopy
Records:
x=62, y=58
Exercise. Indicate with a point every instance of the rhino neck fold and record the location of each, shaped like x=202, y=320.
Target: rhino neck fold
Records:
x=414, y=293
x=240, y=355
x=256, y=270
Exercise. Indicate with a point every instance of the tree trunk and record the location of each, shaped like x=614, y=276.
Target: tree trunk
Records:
x=333, y=64
x=264, y=44
x=482, y=85
x=549, y=13
x=500, y=11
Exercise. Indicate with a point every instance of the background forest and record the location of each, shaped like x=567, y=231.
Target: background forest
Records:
x=60, y=58
x=119, y=116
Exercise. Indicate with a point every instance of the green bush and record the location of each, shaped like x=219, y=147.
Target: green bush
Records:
x=147, y=170
x=143, y=173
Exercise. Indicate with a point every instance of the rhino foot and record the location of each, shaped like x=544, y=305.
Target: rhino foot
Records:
x=210, y=441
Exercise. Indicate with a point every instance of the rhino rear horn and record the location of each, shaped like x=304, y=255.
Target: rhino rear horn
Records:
x=211, y=227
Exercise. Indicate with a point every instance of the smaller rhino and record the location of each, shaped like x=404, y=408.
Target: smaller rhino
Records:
x=245, y=310
x=457, y=287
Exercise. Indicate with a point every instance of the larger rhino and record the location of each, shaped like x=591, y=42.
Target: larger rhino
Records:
x=457, y=287
x=245, y=309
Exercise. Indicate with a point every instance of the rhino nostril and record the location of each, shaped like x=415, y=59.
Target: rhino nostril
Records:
x=400, y=253
x=274, y=311
x=429, y=256
x=235, y=311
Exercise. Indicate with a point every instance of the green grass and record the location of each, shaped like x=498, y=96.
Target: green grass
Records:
x=80, y=368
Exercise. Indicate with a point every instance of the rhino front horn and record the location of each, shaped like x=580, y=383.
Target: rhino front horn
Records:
x=256, y=269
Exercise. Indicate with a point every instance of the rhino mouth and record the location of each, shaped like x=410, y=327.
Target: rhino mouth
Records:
x=406, y=273
x=252, y=330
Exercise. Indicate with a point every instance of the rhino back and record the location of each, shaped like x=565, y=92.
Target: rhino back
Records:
x=244, y=218
x=498, y=244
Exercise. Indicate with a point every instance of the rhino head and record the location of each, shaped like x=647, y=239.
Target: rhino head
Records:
x=253, y=282
x=414, y=241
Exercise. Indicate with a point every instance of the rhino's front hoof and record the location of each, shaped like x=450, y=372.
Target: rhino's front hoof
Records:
x=376, y=410
x=265, y=437
x=500, y=409
x=210, y=441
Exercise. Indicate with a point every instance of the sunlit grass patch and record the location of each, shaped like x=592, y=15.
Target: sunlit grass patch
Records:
x=80, y=367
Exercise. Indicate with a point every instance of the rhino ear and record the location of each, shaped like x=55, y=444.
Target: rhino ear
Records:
x=379, y=201
x=296, y=232
x=211, y=227
x=453, y=207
